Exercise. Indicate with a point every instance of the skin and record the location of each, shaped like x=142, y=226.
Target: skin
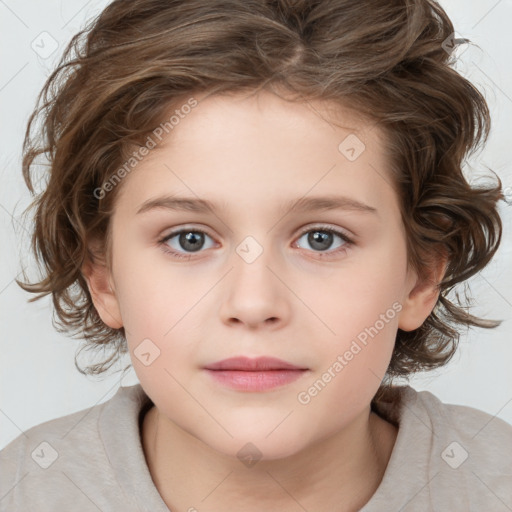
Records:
x=252, y=153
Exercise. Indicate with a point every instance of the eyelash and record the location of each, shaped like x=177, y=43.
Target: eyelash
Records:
x=324, y=229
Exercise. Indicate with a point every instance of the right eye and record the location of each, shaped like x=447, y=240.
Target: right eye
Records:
x=186, y=239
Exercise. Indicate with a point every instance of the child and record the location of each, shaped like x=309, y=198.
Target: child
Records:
x=263, y=203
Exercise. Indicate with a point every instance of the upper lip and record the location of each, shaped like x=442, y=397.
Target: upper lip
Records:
x=252, y=364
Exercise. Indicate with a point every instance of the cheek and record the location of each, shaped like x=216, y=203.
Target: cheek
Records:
x=162, y=313
x=357, y=294
x=363, y=320
x=153, y=294
x=353, y=364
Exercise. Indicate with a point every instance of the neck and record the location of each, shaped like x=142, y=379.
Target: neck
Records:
x=338, y=473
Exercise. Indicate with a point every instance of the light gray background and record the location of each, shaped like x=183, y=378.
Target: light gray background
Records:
x=39, y=381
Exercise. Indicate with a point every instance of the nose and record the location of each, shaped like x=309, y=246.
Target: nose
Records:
x=254, y=294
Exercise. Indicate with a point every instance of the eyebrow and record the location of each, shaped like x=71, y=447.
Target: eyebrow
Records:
x=304, y=204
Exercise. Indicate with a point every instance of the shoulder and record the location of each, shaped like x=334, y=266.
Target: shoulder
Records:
x=38, y=444
x=61, y=452
x=446, y=456
x=468, y=453
x=485, y=438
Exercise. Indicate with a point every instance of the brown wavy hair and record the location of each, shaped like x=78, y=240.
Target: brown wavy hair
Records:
x=388, y=60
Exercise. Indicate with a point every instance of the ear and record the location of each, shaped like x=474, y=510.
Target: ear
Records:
x=101, y=288
x=422, y=295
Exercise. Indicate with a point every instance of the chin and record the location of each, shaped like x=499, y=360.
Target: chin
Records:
x=253, y=444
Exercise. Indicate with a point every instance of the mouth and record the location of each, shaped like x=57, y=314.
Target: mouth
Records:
x=254, y=374
x=258, y=364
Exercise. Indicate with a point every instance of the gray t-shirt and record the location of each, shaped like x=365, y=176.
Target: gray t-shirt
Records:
x=446, y=458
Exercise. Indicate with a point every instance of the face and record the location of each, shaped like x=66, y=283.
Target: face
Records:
x=323, y=288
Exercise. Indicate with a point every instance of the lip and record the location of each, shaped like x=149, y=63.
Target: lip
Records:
x=254, y=374
x=257, y=364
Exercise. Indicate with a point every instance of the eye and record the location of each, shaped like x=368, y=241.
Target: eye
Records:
x=321, y=238
x=187, y=239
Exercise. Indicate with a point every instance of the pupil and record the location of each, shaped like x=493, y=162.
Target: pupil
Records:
x=320, y=240
x=191, y=241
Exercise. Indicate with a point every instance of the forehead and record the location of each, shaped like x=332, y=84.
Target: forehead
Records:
x=241, y=149
x=233, y=114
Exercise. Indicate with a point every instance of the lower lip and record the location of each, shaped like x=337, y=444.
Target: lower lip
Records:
x=254, y=380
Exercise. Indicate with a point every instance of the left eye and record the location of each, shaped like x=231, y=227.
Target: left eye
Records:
x=321, y=239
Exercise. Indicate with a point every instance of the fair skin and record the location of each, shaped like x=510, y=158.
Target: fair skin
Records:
x=295, y=301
